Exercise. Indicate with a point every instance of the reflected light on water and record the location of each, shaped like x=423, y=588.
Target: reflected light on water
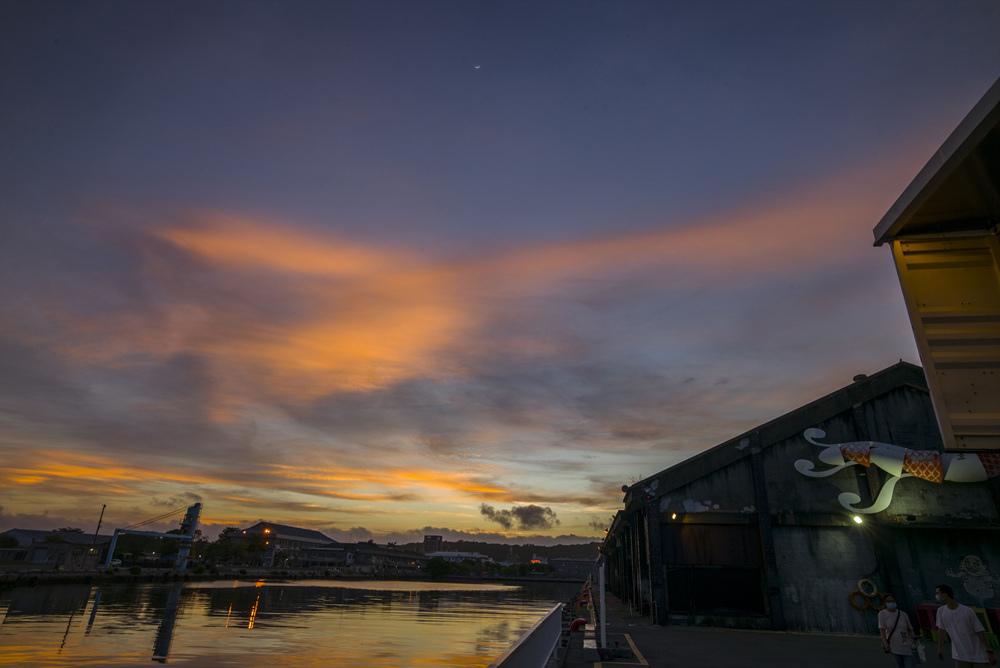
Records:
x=304, y=623
x=253, y=612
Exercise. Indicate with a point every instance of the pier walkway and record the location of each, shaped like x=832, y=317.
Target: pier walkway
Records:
x=703, y=647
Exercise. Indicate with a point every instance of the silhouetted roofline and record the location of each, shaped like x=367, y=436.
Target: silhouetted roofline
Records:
x=293, y=532
x=67, y=536
x=787, y=425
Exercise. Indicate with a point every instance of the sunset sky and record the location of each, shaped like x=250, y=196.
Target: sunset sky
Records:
x=388, y=268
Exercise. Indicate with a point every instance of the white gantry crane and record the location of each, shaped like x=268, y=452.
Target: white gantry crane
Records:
x=188, y=526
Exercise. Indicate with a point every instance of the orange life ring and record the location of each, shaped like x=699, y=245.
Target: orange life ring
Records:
x=854, y=605
x=577, y=623
x=862, y=587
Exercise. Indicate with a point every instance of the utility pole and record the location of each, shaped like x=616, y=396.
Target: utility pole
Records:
x=93, y=541
x=96, y=531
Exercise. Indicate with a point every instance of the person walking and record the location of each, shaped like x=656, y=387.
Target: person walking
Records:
x=968, y=637
x=897, y=633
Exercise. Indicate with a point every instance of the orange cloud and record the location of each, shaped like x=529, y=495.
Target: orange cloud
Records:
x=282, y=313
x=85, y=472
x=820, y=224
x=389, y=477
x=370, y=318
x=47, y=465
x=229, y=240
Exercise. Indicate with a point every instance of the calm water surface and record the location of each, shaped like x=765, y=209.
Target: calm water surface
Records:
x=270, y=623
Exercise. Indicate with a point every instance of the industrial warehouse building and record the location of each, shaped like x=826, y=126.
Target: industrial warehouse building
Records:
x=802, y=522
x=67, y=550
x=306, y=548
x=776, y=527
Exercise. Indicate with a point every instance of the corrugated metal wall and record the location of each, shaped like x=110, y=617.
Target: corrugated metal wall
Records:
x=713, y=561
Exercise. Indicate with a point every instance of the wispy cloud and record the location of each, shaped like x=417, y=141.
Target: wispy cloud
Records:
x=296, y=354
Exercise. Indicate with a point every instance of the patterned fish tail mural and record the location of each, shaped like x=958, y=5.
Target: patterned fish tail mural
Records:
x=898, y=462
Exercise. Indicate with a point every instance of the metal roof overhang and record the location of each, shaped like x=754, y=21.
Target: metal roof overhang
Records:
x=944, y=235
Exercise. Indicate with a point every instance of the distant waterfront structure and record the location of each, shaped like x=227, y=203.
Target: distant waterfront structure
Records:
x=306, y=548
x=188, y=529
x=285, y=543
x=284, y=537
x=371, y=559
x=574, y=566
x=455, y=557
x=432, y=544
x=67, y=550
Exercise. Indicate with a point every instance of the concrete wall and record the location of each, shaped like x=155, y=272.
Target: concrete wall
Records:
x=902, y=417
x=966, y=559
x=818, y=568
x=790, y=492
x=727, y=490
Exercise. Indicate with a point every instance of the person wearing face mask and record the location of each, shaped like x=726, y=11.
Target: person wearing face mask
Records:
x=897, y=633
x=959, y=622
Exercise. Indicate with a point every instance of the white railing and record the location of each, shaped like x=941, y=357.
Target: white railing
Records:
x=533, y=649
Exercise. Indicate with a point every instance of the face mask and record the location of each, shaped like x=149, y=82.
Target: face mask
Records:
x=937, y=597
x=890, y=606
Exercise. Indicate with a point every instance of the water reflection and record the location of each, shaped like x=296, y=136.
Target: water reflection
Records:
x=93, y=610
x=161, y=646
x=288, y=624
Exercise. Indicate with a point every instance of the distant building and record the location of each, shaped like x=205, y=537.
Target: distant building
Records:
x=432, y=544
x=334, y=556
x=288, y=537
x=371, y=559
x=455, y=557
x=305, y=548
x=66, y=550
x=511, y=558
x=574, y=567
x=293, y=546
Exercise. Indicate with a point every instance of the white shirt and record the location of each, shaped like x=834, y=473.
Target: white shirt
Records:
x=962, y=625
x=899, y=641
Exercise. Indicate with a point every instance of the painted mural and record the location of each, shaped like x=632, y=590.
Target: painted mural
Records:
x=899, y=463
x=975, y=576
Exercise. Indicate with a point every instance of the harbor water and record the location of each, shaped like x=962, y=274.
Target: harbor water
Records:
x=270, y=623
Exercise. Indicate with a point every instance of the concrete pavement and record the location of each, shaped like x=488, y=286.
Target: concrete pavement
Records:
x=704, y=647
